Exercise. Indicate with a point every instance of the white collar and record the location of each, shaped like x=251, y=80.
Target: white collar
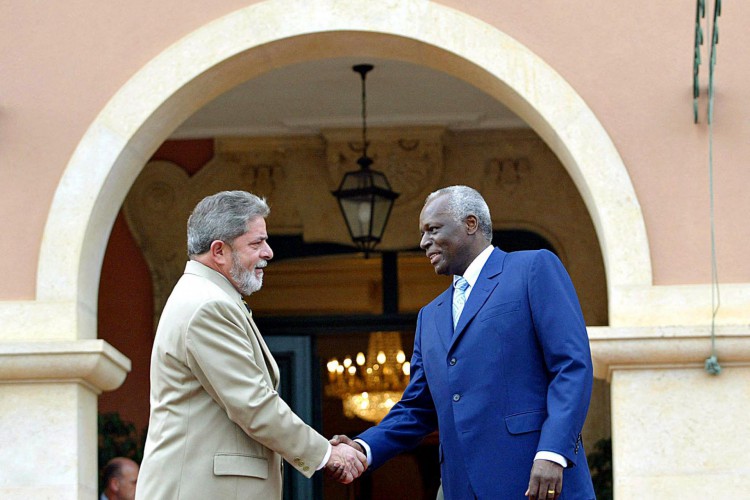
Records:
x=472, y=272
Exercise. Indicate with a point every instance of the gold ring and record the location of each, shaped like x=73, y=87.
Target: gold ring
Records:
x=550, y=492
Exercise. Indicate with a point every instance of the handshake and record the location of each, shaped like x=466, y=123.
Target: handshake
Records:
x=348, y=460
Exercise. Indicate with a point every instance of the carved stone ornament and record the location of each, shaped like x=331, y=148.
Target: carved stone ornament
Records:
x=411, y=159
x=507, y=172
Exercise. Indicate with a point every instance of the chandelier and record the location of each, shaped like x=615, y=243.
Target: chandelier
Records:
x=369, y=386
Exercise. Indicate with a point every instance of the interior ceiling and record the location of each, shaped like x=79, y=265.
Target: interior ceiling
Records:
x=304, y=98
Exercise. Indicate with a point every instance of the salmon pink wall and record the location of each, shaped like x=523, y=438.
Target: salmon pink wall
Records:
x=61, y=62
x=630, y=62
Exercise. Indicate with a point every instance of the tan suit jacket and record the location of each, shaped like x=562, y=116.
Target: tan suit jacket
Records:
x=218, y=429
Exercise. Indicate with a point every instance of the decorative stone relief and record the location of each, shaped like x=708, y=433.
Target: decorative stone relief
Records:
x=262, y=169
x=507, y=172
x=411, y=159
x=156, y=210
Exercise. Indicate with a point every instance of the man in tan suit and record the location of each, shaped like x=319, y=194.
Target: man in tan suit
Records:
x=218, y=428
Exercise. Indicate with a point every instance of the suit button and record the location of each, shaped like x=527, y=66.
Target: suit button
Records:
x=456, y=397
x=297, y=460
x=305, y=468
x=453, y=361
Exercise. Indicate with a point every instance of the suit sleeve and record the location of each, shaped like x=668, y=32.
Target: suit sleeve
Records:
x=410, y=420
x=561, y=331
x=221, y=356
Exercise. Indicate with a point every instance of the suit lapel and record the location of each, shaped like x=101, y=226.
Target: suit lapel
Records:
x=486, y=283
x=271, y=366
x=444, y=317
x=194, y=267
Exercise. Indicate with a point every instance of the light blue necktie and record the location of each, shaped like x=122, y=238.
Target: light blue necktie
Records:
x=459, y=298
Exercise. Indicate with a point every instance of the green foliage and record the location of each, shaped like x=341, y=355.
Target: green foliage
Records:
x=600, y=464
x=118, y=438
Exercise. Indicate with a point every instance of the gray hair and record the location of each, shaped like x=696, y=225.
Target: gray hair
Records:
x=222, y=216
x=464, y=201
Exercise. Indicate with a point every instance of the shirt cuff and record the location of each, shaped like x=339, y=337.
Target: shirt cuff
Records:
x=325, y=458
x=366, y=447
x=552, y=457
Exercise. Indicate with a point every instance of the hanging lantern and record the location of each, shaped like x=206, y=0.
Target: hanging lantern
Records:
x=365, y=196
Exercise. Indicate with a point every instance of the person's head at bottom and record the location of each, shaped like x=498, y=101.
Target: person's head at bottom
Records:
x=119, y=478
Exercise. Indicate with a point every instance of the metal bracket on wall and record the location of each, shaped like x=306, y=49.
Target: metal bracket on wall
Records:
x=700, y=13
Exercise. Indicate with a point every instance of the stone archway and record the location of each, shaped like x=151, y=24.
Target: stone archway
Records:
x=224, y=53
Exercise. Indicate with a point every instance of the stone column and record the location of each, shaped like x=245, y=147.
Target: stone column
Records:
x=677, y=431
x=48, y=427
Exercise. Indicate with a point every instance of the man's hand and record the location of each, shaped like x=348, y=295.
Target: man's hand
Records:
x=341, y=438
x=346, y=463
x=546, y=480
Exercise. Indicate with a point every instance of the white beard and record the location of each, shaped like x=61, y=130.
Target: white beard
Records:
x=246, y=281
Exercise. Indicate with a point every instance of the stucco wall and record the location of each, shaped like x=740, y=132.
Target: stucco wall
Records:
x=62, y=62
x=631, y=63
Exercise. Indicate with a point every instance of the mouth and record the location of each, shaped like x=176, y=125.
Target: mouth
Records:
x=434, y=257
x=259, y=267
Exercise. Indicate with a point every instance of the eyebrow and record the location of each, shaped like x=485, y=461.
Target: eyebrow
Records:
x=258, y=239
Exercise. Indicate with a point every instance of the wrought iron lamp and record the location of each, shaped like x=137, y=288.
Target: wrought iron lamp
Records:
x=365, y=196
x=369, y=386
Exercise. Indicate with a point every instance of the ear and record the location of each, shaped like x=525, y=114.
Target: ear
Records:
x=219, y=252
x=472, y=224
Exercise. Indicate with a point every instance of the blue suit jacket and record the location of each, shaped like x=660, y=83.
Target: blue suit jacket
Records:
x=513, y=379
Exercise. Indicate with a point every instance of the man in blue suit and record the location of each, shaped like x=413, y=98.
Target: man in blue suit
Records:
x=509, y=385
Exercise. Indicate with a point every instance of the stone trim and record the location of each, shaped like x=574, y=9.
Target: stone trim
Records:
x=654, y=348
x=92, y=363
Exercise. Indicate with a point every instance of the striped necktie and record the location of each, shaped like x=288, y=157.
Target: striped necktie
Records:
x=459, y=298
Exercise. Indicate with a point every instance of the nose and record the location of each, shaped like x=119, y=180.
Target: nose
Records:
x=425, y=242
x=267, y=253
